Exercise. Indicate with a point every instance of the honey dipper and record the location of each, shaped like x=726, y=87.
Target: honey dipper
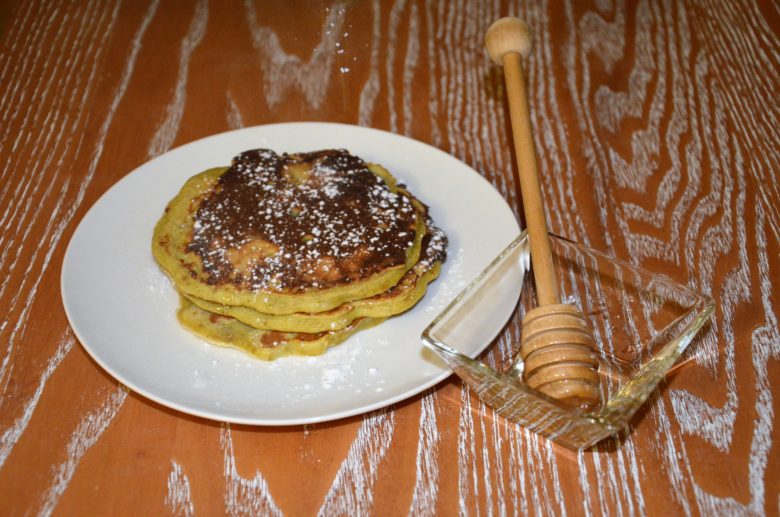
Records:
x=557, y=345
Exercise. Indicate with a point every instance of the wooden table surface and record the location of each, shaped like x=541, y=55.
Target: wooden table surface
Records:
x=658, y=137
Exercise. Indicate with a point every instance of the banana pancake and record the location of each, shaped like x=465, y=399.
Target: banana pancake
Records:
x=262, y=344
x=399, y=298
x=289, y=233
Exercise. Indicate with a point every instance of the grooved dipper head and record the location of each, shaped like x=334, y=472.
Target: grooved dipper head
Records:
x=557, y=350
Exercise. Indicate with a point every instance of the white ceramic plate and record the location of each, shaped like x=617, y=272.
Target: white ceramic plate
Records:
x=122, y=307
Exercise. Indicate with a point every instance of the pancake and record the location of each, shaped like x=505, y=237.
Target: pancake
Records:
x=399, y=298
x=293, y=253
x=290, y=233
x=262, y=344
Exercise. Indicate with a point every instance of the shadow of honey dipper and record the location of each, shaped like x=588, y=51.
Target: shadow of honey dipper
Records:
x=557, y=345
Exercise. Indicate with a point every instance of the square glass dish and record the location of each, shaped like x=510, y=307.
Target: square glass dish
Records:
x=642, y=323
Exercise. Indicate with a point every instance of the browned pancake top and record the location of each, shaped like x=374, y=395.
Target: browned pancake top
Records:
x=293, y=222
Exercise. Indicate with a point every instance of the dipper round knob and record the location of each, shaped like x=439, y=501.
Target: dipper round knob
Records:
x=557, y=350
x=508, y=35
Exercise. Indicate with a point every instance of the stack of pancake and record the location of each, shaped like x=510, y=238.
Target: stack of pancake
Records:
x=291, y=254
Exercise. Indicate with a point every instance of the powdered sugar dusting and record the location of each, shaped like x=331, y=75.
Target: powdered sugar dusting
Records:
x=434, y=248
x=299, y=221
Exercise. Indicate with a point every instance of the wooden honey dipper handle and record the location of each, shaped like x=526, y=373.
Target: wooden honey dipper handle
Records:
x=508, y=40
x=557, y=346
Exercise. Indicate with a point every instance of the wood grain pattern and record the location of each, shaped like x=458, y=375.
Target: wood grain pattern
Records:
x=656, y=128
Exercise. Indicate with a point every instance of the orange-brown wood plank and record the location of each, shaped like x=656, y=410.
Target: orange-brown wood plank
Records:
x=657, y=135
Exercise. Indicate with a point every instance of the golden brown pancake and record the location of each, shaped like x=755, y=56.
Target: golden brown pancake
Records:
x=262, y=344
x=291, y=254
x=399, y=298
x=289, y=233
